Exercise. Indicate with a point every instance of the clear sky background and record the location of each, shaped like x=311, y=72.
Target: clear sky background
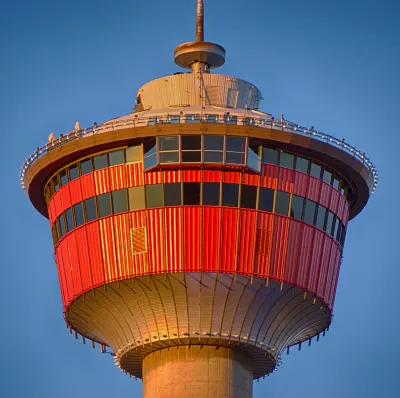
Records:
x=331, y=64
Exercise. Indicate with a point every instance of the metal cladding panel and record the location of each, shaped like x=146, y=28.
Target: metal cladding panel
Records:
x=305, y=256
x=293, y=251
x=346, y=215
x=316, y=261
x=335, y=197
x=75, y=191
x=87, y=184
x=269, y=176
x=174, y=237
x=330, y=281
x=61, y=277
x=65, y=198
x=325, y=198
x=300, y=184
x=333, y=286
x=153, y=177
x=279, y=247
x=134, y=174
x=122, y=245
x=211, y=238
x=108, y=250
x=212, y=176
x=314, y=188
x=96, y=260
x=57, y=204
x=251, y=179
x=140, y=261
x=156, y=240
x=207, y=292
x=171, y=176
x=285, y=179
x=84, y=259
x=102, y=181
x=247, y=241
x=74, y=263
x=192, y=238
x=192, y=175
x=67, y=270
x=341, y=207
x=229, y=236
x=232, y=177
x=323, y=272
x=264, y=243
x=117, y=177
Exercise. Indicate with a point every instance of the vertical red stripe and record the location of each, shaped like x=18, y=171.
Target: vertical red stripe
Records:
x=300, y=184
x=96, y=259
x=102, y=181
x=229, y=235
x=75, y=191
x=156, y=240
x=285, y=180
x=117, y=177
x=139, y=261
x=212, y=176
x=279, y=246
x=171, y=176
x=293, y=251
x=232, y=177
x=174, y=238
x=57, y=204
x=314, y=187
x=211, y=238
x=153, y=177
x=251, y=179
x=315, y=261
x=134, y=174
x=323, y=273
x=305, y=256
x=84, y=260
x=87, y=185
x=74, y=260
x=191, y=238
x=325, y=198
x=264, y=235
x=269, y=176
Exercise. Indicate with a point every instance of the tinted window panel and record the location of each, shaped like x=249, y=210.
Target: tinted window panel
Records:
x=136, y=198
x=211, y=193
x=320, y=217
x=315, y=170
x=154, y=195
x=172, y=194
x=63, y=177
x=150, y=161
x=270, y=156
x=336, y=228
x=86, y=166
x=62, y=225
x=191, y=142
x=100, y=162
x=213, y=157
x=297, y=207
x=116, y=157
x=329, y=222
x=214, y=142
x=254, y=156
x=235, y=158
x=90, y=206
x=266, y=200
x=235, y=144
x=56, y=185
x=104, y=204
x=191, y=157
x=73, y=172
x=134, y=154
x=78, y=210
x=310, y=211
x=168, y=143
x=286, y=160
x=248, y=197
x=149, y=147
x=191, y=193
x=70, y=221
x=119, y=201
x=302, y=164
x=327, y=176
x=335, y=183
x=169, y=157
x=282, y=203
x=342, y=236
x=230, y=195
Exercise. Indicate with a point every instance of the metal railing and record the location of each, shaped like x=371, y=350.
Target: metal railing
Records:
x=262, y=122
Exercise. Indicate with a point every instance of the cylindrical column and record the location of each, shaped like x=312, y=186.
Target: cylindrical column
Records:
x=197, y=371
x=200, y=21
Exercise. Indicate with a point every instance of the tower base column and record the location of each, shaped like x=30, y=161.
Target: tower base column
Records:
x=197, y=371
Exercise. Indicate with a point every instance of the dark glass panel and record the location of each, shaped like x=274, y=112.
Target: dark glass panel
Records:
x=342, y=236
x=54, y=233
x=211, y=193
x=235, y=157
x=86, y=167
x=309, y=213
x=230, y=195
x=170, y=143
x=78, y=210
x=282, y=203
x=302, y=164
x=266, y=200
x=297, y=207
x=134, y=154
x=191, y=142
x=149, y=147
x=235, y=144
x=336, y=228
x=63, y=177
x=90, y=207
x=62, y=225
x=248, y=197
x=56, y=184
x=154, y=196
x=100, y=162
x=214, y=142
x=254, y=155
x=73, y=172
x=69, y=218
x=150, y=161
x=191, y=193
x=327, y=176
x=286, y=160
x=172, y=194
x=270, y=156
x=335, y=183
x=119, y=201
x=136, y=198
x=116, y=157
x=339, y=231
x=329, y=222
x=213, y=157
x=104, y=204
x=191, y=156
x=315, y=170
x=320, y=217
x=169, y=157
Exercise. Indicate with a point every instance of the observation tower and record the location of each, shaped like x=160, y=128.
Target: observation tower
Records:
x=198, y=238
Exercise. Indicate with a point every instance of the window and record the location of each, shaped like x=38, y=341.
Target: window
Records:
x=54, y=233
x=235, y=150
x=254, y=155
x=248, y=197
x=78, y=211
x=296, y=210
x=266, y=200
x=270, y=156
x=100, y=161
x=116, y=157
x=169, y=143
x=329, y=222
x=73, y=172
x=69, y=218
x=119, y=201
x=336, y=228
x=56, y=185
x=302, y=164
x=213, y=148
x=62, y=224
x=286, y=160
x=134, y=154
x=191, y=148
x=342, y=235
x=63, y=177
x=339, y=231
x=230, y=195
x=86, y=167
x=335, y=183
x=154, y=196
x=90, y=208
x=191, y=193
x=320, y=217
x=169, y=157
x=136, y=198
x=150, y=155
x=282, y=203
x=315, y=170
x=309, y=213
x=104, y=203
x=172, y=194
x=327, y=176
x=211, y=193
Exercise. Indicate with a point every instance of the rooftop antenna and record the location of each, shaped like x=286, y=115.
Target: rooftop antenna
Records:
x=199, y=56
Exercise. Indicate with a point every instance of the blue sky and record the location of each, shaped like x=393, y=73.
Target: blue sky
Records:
x=334, y=65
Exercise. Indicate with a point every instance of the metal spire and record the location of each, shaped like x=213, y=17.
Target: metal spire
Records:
x=200, y=21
